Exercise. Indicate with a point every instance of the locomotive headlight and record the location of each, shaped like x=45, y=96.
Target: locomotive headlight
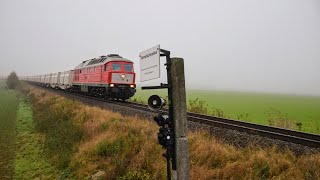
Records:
x=111, y=85
x=123, y=76
x=132, y=85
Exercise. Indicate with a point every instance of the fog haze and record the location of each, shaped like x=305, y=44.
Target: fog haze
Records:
x=262, y=46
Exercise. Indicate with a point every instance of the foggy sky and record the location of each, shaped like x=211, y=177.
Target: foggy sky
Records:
x=249, y=45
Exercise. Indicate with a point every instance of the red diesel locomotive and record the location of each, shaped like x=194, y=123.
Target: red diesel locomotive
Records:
x=110, y=76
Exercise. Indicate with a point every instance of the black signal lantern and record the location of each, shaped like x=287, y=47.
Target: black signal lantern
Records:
x=162, y=120
x=155, y=102
x=165, y=135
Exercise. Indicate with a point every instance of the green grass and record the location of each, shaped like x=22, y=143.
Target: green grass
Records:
x=30, y=162
x=54, y=119
x=21, y=147
x=8, y=108
x=255, y=107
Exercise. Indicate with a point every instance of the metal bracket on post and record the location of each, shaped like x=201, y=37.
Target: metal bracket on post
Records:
x=173, y=128
x=170, y=147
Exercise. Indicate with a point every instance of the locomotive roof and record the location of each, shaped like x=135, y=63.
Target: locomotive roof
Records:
x=101, y=60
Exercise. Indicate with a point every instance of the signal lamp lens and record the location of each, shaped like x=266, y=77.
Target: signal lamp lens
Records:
x=132, y=85
x=111, y=85
x=154, y=102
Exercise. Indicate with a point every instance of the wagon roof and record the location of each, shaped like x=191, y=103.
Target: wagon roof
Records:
x=100, y=61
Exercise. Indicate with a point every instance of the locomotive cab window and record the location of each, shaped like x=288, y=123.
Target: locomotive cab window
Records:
x=106, y=68
x=128, y=67
x=116, y=67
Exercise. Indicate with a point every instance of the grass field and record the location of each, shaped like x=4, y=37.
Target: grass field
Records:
x=8, y=108
x=21, y=154
x=30, y=160
x=255, y=107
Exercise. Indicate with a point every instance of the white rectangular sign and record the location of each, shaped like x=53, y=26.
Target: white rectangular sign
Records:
x=150, y=64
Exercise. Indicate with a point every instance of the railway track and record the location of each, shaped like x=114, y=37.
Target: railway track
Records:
x=306, y=139
x=296, y=137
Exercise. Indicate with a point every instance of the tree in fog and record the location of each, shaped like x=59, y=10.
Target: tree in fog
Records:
x=13, y=81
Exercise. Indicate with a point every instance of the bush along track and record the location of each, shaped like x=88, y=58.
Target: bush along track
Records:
x=106, y=145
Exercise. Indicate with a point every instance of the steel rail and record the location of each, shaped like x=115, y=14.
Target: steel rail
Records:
x=296, y=137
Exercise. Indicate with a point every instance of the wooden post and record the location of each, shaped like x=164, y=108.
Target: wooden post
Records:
x=180, y=118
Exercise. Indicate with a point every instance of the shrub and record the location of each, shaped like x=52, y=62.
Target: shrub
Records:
x=198, y=106
x=278, y=119
x=299, y=126
x=218, y=113
x=13, y=81
x=244, y=117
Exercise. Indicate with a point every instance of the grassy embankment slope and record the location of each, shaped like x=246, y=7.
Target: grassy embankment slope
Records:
x=255, y=107
x=21, y=154
x=126, y=147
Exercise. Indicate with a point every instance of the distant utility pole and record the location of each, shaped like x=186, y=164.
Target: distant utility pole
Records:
x=180, y=118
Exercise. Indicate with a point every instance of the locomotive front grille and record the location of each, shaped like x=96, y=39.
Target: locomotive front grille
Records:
x=122, y=78
x=122, y=86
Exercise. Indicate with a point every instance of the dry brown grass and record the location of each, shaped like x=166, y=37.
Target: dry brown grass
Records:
x=104, y=126
x=127, y=147
x=212, y=159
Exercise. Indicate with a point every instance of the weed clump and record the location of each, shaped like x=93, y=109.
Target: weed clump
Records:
x=218, y=113
x=198, y=106
x=243, y=116
x=131, y=175
x=201, y=107
x=107, y=148
x=137, y=100
x=278, y=119
x=104, y=126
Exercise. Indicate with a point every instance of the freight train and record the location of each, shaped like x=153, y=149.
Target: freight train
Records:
x=110, y=76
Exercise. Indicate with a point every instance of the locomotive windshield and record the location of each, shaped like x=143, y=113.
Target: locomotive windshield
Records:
x=128, y=67
x=116, y=67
